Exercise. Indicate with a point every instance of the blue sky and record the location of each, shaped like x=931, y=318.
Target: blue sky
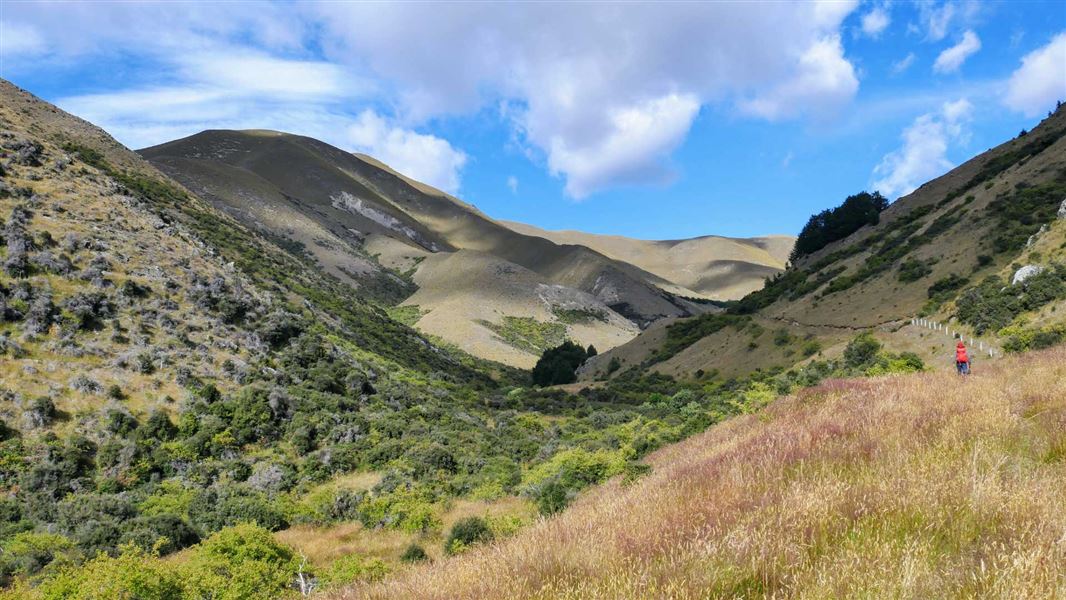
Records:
x=655, y=121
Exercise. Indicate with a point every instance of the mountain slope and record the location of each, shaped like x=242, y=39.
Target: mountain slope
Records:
x=711, y=267
x=346, y=191
x=366, y=224
x=987, y=217
x=888, y=487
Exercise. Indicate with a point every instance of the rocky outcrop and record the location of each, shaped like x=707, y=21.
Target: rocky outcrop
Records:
x=1025, y=273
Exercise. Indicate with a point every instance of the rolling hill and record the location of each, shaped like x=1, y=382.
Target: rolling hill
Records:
x=378, y=230
x=710, y=267
x=929, y=254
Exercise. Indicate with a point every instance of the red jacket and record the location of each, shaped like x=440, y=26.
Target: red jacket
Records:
x=960, y=354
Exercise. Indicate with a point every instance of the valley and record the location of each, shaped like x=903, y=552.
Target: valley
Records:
x=249, y=364
x=467, y=277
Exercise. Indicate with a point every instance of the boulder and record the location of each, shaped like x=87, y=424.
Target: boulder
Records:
x=1025, y=273
x=1062, y=210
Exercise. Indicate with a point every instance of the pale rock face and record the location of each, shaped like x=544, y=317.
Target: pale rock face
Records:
x=1032, y=239
x=1025, y=273
x=1062, y=210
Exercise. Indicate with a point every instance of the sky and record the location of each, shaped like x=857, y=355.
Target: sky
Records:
x=650, y=120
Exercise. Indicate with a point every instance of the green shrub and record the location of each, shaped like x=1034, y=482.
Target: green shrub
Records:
x=559, y=364
x=466, y=533
x=613, y=365
x=944, y=289
x=783, y=338
x=413, y=554
x=28, y=552
x=811, y=347
x=861, y=350
x=913, y=269
x=351, y=568
x=133, y=574
x=552, y=497
x=244, y=562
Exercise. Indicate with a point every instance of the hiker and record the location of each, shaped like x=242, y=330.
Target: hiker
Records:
x=962, y=359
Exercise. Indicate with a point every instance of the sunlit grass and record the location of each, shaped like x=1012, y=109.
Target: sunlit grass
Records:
x=922, y=486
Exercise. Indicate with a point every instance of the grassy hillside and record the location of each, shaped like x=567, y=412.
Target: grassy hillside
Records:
x=712, y=267
x=505, y=311
x=375, y=228
x=906, y=486
x=945, y=251
x=170, y=374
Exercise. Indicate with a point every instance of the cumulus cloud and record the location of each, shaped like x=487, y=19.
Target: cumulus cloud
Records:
x=648, y=129
x=822, y=81
x=424, y=157
x=923, y=155
x=952, y=58
x=1040, y=80
x=581, y=78
x=875, y=22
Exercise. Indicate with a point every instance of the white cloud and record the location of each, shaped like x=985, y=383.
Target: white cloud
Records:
x=423, y=157
x=252, y=91
x=256, y=74
x=19, y=38
x=581, y=77
x=652, y=128
x=1040, y=80
x=900, y=66
x=936, y=19
x=875, y=22
x=822, y=81
x=923, y=155
x=568, y=71
x=951, y=59
x=512, y=184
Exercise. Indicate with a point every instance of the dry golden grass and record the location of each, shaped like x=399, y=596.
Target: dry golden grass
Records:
x=923, y=486
x=323, y=545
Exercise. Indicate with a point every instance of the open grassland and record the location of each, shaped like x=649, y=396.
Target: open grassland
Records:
x=920, y=486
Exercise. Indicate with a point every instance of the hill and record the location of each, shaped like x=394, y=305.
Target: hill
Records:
x=930, y=253
x=170, y=374
x=374, y=229
x=904, y=486
x=710, y=267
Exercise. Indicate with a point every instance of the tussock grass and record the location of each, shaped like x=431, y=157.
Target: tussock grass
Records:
x=922, y=486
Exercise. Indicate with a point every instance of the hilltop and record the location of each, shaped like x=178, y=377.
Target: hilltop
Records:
x=904, y=486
